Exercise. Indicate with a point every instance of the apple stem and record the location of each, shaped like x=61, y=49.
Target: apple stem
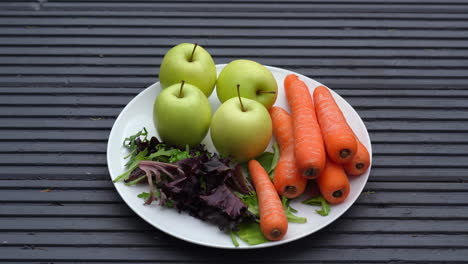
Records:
x=267, y=92
x=193, y=51
x=181, y=87
x=240, y=100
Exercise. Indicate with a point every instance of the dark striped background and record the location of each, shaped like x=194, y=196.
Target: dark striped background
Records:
x=67, y=68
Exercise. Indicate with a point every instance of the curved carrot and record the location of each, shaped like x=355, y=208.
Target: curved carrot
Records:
x=287, y=179
x=359, y=163
x=273, y=220
x=339, y=139
x=308, y=143
x=333, y=183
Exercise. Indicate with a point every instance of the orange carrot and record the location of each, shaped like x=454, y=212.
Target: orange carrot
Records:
x=339, y=139
x=287, y=179
x=359, y=163
x=333, y=183
x=273, y=220
x=308, y=143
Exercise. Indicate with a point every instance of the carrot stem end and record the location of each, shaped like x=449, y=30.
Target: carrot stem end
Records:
x=337, y=194
x=359, y=165
x=290, y=189
x=311, y=172
x=344, y=153
x=275, y=233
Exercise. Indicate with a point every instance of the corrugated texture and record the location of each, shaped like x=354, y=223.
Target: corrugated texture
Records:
x=67, y=68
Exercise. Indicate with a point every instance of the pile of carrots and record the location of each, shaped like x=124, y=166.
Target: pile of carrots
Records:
x=316, y=143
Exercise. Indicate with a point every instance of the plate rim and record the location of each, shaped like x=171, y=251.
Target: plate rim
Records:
x=264, y=245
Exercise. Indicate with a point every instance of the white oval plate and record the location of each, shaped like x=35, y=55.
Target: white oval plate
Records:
x=139, y=113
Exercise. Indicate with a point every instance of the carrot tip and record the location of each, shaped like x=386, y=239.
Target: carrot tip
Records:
x=344, y=153
x=290, y=189
x=338, y=194
x=311, y=172
x=275, y=233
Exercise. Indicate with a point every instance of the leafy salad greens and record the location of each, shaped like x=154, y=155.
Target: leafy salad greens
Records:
x=206, y=186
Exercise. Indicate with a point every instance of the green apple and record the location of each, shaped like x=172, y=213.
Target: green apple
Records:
x=189, y=62
x=241, y=131
x=182, y=115
x=256, y=82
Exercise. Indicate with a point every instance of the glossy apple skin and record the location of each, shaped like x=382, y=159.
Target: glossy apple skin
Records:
x=241, y=135
x=252, y=77
x=200, y=72
x=182, y=121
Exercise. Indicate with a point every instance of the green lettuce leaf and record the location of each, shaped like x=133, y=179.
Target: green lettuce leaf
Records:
x=168, y=154
x=130, y=144
x=180, y=155
x=269, y=160
x=157, y=194
x=266, y=160
x=251, y=233
x=276, y=156
x=133, y=165
x=319, y=201
x=146, y=195
x=234, y=239
x=290, y=212
x=251, y=201
x=136, y=181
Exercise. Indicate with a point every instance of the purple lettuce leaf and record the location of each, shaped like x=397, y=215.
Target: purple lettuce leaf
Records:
x=197, y=186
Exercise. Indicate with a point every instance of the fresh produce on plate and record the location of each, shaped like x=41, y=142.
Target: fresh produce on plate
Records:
x=182, y=115
x=242, y=189
x=287, y=179
x=256, y=82
x=189, y=62
x=241, y=128
x=308, y=143
x=338, y=137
